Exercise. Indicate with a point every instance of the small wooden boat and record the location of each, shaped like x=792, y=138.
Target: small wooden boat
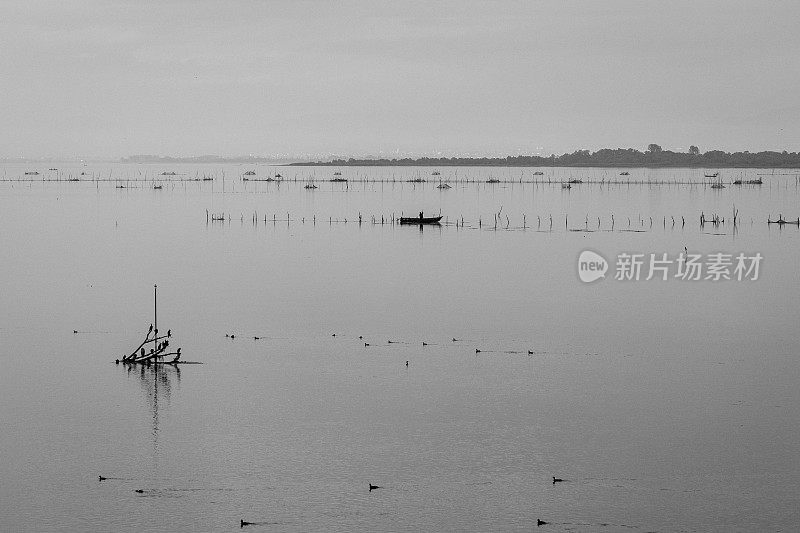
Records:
x=420, y=220
x=157, y=187
x=712, y=175
x=417, y=180
x=575, y=181
x=625, y=173
x=781, y=221
x=443, y=186
x=538, y=173
x=250, y=173
x=339, y=180
x=493, y=180
x=310, y=186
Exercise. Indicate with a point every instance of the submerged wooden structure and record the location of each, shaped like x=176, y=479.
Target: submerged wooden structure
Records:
x=154, y=349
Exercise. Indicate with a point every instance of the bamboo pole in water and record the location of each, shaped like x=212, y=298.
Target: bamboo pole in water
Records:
x=155, y=309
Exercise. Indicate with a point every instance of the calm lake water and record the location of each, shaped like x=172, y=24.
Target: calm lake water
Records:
x=664, y=405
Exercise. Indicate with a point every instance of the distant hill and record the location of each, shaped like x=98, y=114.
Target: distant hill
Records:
x=654, y=157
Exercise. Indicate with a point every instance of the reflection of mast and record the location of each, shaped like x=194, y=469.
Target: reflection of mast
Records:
x=155, y=410
x=157, y=390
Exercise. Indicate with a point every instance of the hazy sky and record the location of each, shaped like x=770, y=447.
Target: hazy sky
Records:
x=265, y=77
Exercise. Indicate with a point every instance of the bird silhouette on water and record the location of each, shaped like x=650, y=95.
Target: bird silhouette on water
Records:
x=242, y=523
x=101, y=478
x=373, y=487
x=406, y=363
x=557, y=480
x=540, y=522
x=139, y=491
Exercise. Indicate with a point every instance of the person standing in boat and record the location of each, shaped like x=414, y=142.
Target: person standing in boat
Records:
x=420, y=215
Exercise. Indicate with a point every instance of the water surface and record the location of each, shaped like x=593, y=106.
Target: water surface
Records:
x=665, y=405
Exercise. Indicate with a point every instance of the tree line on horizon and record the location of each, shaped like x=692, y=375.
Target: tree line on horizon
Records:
x=654, y=157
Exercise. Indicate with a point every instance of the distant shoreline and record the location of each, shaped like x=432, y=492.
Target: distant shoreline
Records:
x=607, y=158
x=506, y=165
x=624, y=158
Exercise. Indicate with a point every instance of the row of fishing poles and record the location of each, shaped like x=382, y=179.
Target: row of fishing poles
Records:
x=439, y=182
x=502, y=221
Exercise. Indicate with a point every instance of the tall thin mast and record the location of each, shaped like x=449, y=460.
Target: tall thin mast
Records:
x=155, y=308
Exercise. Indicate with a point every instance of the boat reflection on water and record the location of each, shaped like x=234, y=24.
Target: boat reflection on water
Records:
x=430, y=227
